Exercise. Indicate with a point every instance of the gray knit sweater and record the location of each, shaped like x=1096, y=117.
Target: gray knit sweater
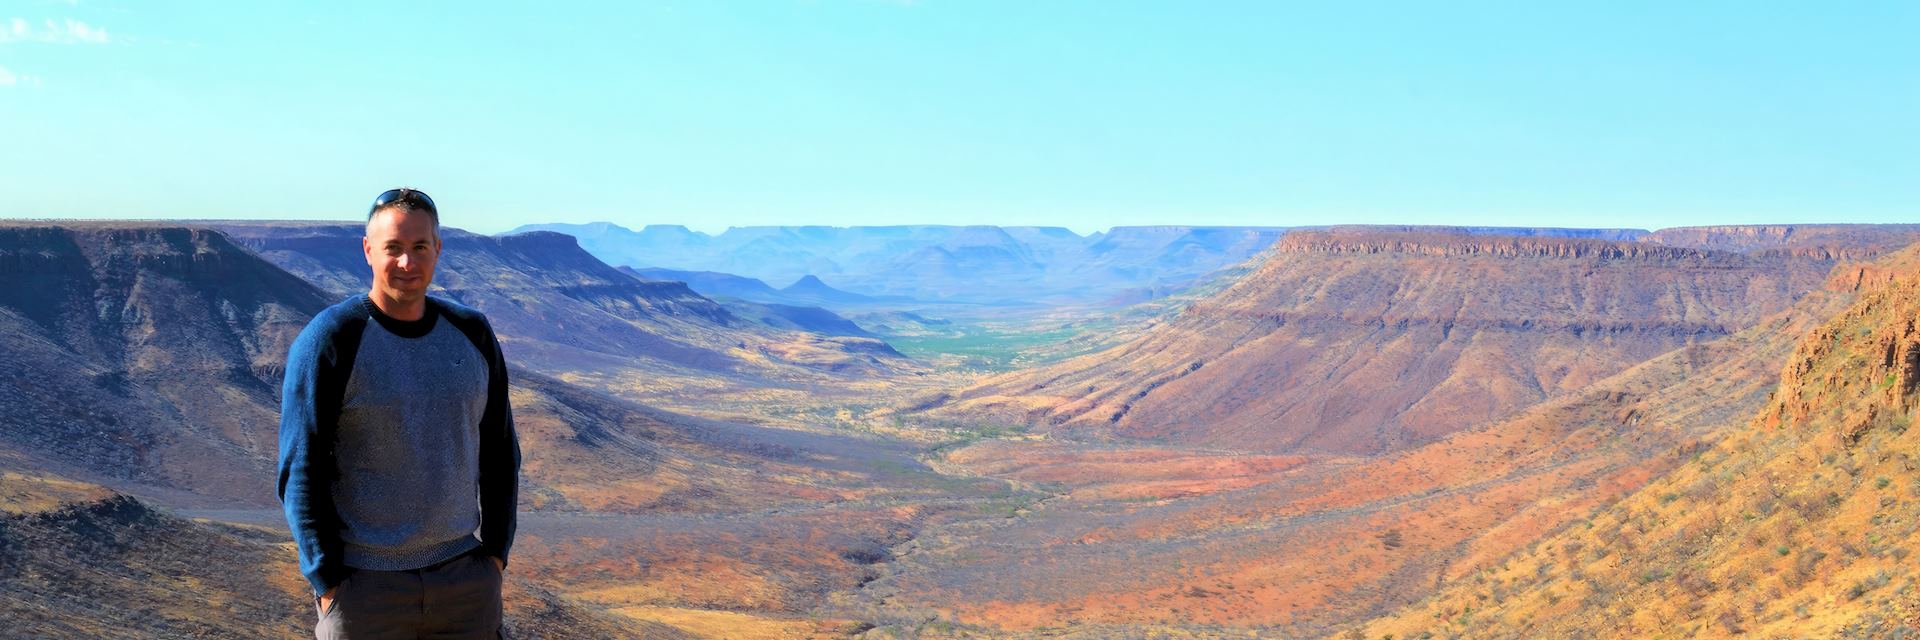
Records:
x=397, y=448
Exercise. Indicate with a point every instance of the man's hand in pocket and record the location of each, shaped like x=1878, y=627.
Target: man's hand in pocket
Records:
x=326, y=600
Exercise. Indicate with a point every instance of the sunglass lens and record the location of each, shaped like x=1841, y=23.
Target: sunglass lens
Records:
x=410, y=196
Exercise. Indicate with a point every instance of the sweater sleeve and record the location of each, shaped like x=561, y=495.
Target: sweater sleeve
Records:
x=309, y=412
x=499, y=458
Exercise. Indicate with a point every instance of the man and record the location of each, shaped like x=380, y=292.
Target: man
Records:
x=397, y=447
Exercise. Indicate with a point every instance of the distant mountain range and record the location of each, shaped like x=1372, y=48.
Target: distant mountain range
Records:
x=971, y=263
x=808, y=290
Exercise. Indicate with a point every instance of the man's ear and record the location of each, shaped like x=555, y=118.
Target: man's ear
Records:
x=366, y=249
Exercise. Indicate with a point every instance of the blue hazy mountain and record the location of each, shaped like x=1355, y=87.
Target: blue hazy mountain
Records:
x=754, y=300
x=713, y=283
x=974, y=263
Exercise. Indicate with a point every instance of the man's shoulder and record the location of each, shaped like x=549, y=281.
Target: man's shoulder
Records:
x=460, y=314
x=471, y=323
x=338, y=316
x=343, y=318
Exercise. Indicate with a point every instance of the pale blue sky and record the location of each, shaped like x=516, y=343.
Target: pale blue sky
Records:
x=1080, y=114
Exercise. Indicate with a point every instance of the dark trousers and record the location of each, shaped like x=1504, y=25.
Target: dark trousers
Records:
x=459, y=598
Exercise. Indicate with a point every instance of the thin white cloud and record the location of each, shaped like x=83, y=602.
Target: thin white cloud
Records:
x=81, y=32
x=64, y=31
x=9, y=79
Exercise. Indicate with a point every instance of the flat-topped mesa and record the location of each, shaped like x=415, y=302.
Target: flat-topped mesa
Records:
x=1369, y=276
x=66, y=278
x=1366, y=340
x=1443, y=243
x=174, y=250
x=556, y=257
x=1727, y=237
x=531, y=241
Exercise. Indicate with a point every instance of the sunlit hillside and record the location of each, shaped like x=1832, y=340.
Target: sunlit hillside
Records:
x=1799, y=523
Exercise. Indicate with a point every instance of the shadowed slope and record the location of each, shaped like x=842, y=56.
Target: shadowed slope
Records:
x=146, y=353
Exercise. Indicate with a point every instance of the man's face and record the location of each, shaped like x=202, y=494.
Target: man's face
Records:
x=402, y=249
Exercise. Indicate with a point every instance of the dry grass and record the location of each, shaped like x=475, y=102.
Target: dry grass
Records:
x=22, y=493
x=706, y=623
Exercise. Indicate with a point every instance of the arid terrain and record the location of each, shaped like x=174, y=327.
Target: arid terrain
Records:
x=983, y=432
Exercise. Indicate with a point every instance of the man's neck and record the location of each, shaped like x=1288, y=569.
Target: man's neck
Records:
x=406, y=310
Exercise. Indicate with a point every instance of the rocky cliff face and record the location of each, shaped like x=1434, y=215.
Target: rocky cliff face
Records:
x=1364, y=341
x=1420, y=242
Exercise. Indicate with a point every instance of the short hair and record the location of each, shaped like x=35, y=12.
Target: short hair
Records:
x=407, y=199
x=411, y=200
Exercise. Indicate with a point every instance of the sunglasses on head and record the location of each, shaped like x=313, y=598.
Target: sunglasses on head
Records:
x=403, y=195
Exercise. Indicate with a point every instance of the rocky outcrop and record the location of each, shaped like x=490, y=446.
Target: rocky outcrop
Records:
x=1437, y=243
